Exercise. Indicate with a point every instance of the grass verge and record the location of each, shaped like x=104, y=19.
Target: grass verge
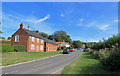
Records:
x=85, y=65
x=18, y=57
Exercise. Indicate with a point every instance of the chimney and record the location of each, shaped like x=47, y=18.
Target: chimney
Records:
x=37, y=32
x=21, y=25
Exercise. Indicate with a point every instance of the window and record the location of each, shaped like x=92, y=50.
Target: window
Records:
x=41, y=41
x=41, y=47
x=32, y=46
x=33, y=39
x=16, y=38
x=37, y=40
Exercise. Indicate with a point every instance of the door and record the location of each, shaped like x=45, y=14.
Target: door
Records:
x=37, y=48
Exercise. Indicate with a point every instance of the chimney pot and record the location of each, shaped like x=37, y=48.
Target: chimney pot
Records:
x=21, y=25
x=37, y=32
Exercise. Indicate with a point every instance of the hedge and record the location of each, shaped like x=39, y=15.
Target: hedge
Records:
x=7, y=48
x=19, y=48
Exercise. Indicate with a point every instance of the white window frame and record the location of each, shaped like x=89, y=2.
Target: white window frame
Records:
x=33, y=39
x=41, y=40
x=37, y=40
x=41, y=47
x=16, y=38
x=32, y=46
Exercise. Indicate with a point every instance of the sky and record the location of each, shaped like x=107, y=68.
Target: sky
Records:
x=84, y=21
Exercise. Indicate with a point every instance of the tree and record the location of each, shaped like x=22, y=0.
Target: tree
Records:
x=77, y=44
x=9, y=38
x=44, y=35
x=50, y=37
x=2, y=37
x=0, y=31
x=60, y=36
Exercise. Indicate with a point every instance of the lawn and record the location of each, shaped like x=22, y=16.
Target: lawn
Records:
x=18, y=57
x=85, y=65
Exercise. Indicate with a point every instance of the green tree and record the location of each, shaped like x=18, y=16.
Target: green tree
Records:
x=9, y=38
x=2, y=37
x=50, y=37
x=77, y=44
x=60, y=36
x=44, y=35
x=0, y=31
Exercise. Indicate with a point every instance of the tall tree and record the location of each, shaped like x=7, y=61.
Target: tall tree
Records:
x=44, y=34
x=50, y=37
x=77, y=44
x=60, y=36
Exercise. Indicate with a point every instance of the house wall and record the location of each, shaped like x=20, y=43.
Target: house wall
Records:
x=51, y=47
x=23, y=37
x=35, y=45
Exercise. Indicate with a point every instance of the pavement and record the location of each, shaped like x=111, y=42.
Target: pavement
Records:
x=51, y=65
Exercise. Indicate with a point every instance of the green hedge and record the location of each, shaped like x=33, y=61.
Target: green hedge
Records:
x=19, y=48
x=112, y=62
x=7, y=48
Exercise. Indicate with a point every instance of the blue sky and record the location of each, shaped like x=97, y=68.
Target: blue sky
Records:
x=83, y=21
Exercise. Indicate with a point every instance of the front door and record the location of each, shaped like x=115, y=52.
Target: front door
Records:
x=37, y=48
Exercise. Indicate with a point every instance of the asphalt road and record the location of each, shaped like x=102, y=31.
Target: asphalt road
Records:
x=44, y=66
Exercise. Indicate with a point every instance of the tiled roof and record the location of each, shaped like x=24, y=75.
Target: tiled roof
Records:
x=31, y=33
x=50, y=41
x=34, y=34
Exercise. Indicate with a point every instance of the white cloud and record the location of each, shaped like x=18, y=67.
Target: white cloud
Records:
x=62, y=15
x=36, y=20
x=81, y=20
x=104, y=27
x=40, y=20
x=116, y=20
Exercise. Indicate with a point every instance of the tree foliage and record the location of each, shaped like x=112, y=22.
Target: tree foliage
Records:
x=60, y=36
x=44, y=35
x=77, y=44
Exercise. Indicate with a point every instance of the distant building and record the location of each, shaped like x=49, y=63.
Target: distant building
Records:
x=32, y=41
x=4, y=40
x=66, y=44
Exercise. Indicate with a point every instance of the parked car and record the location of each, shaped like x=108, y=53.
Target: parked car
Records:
x=78, y=48
x=85, y=49
x=72, y=50
x=66, y=51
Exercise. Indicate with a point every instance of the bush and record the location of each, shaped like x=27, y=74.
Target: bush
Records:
x=19, y=48
x=112, y=62
x=62, y=47
x=59, y=48
x=7, y=48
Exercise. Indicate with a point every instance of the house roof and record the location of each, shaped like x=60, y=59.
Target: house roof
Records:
x=58, y=42
x=34, y=34
x=50, y=41
x=31, y=33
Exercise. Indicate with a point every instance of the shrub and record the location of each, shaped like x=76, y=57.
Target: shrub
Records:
x=7, y=48
x=19, y=48
x=59, y=48
x=62, y=47
x=112, y=62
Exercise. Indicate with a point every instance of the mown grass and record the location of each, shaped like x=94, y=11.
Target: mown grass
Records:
x=85, y=65
x=18, y=57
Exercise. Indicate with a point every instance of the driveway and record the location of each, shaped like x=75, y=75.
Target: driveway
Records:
x=45, y=66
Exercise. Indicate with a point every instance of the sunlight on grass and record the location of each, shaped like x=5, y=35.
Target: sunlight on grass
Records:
x=17, y=57
x=85, y=65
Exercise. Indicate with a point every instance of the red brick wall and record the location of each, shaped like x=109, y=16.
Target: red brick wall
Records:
x=23, y=38
x=51, y=47
x=35, y=45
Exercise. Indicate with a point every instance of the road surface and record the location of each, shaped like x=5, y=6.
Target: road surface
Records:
x=44, y=66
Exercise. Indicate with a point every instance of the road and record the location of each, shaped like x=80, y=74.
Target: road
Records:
x=43, y=66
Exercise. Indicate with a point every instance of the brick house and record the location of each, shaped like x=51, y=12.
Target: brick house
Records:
x=32, y=41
